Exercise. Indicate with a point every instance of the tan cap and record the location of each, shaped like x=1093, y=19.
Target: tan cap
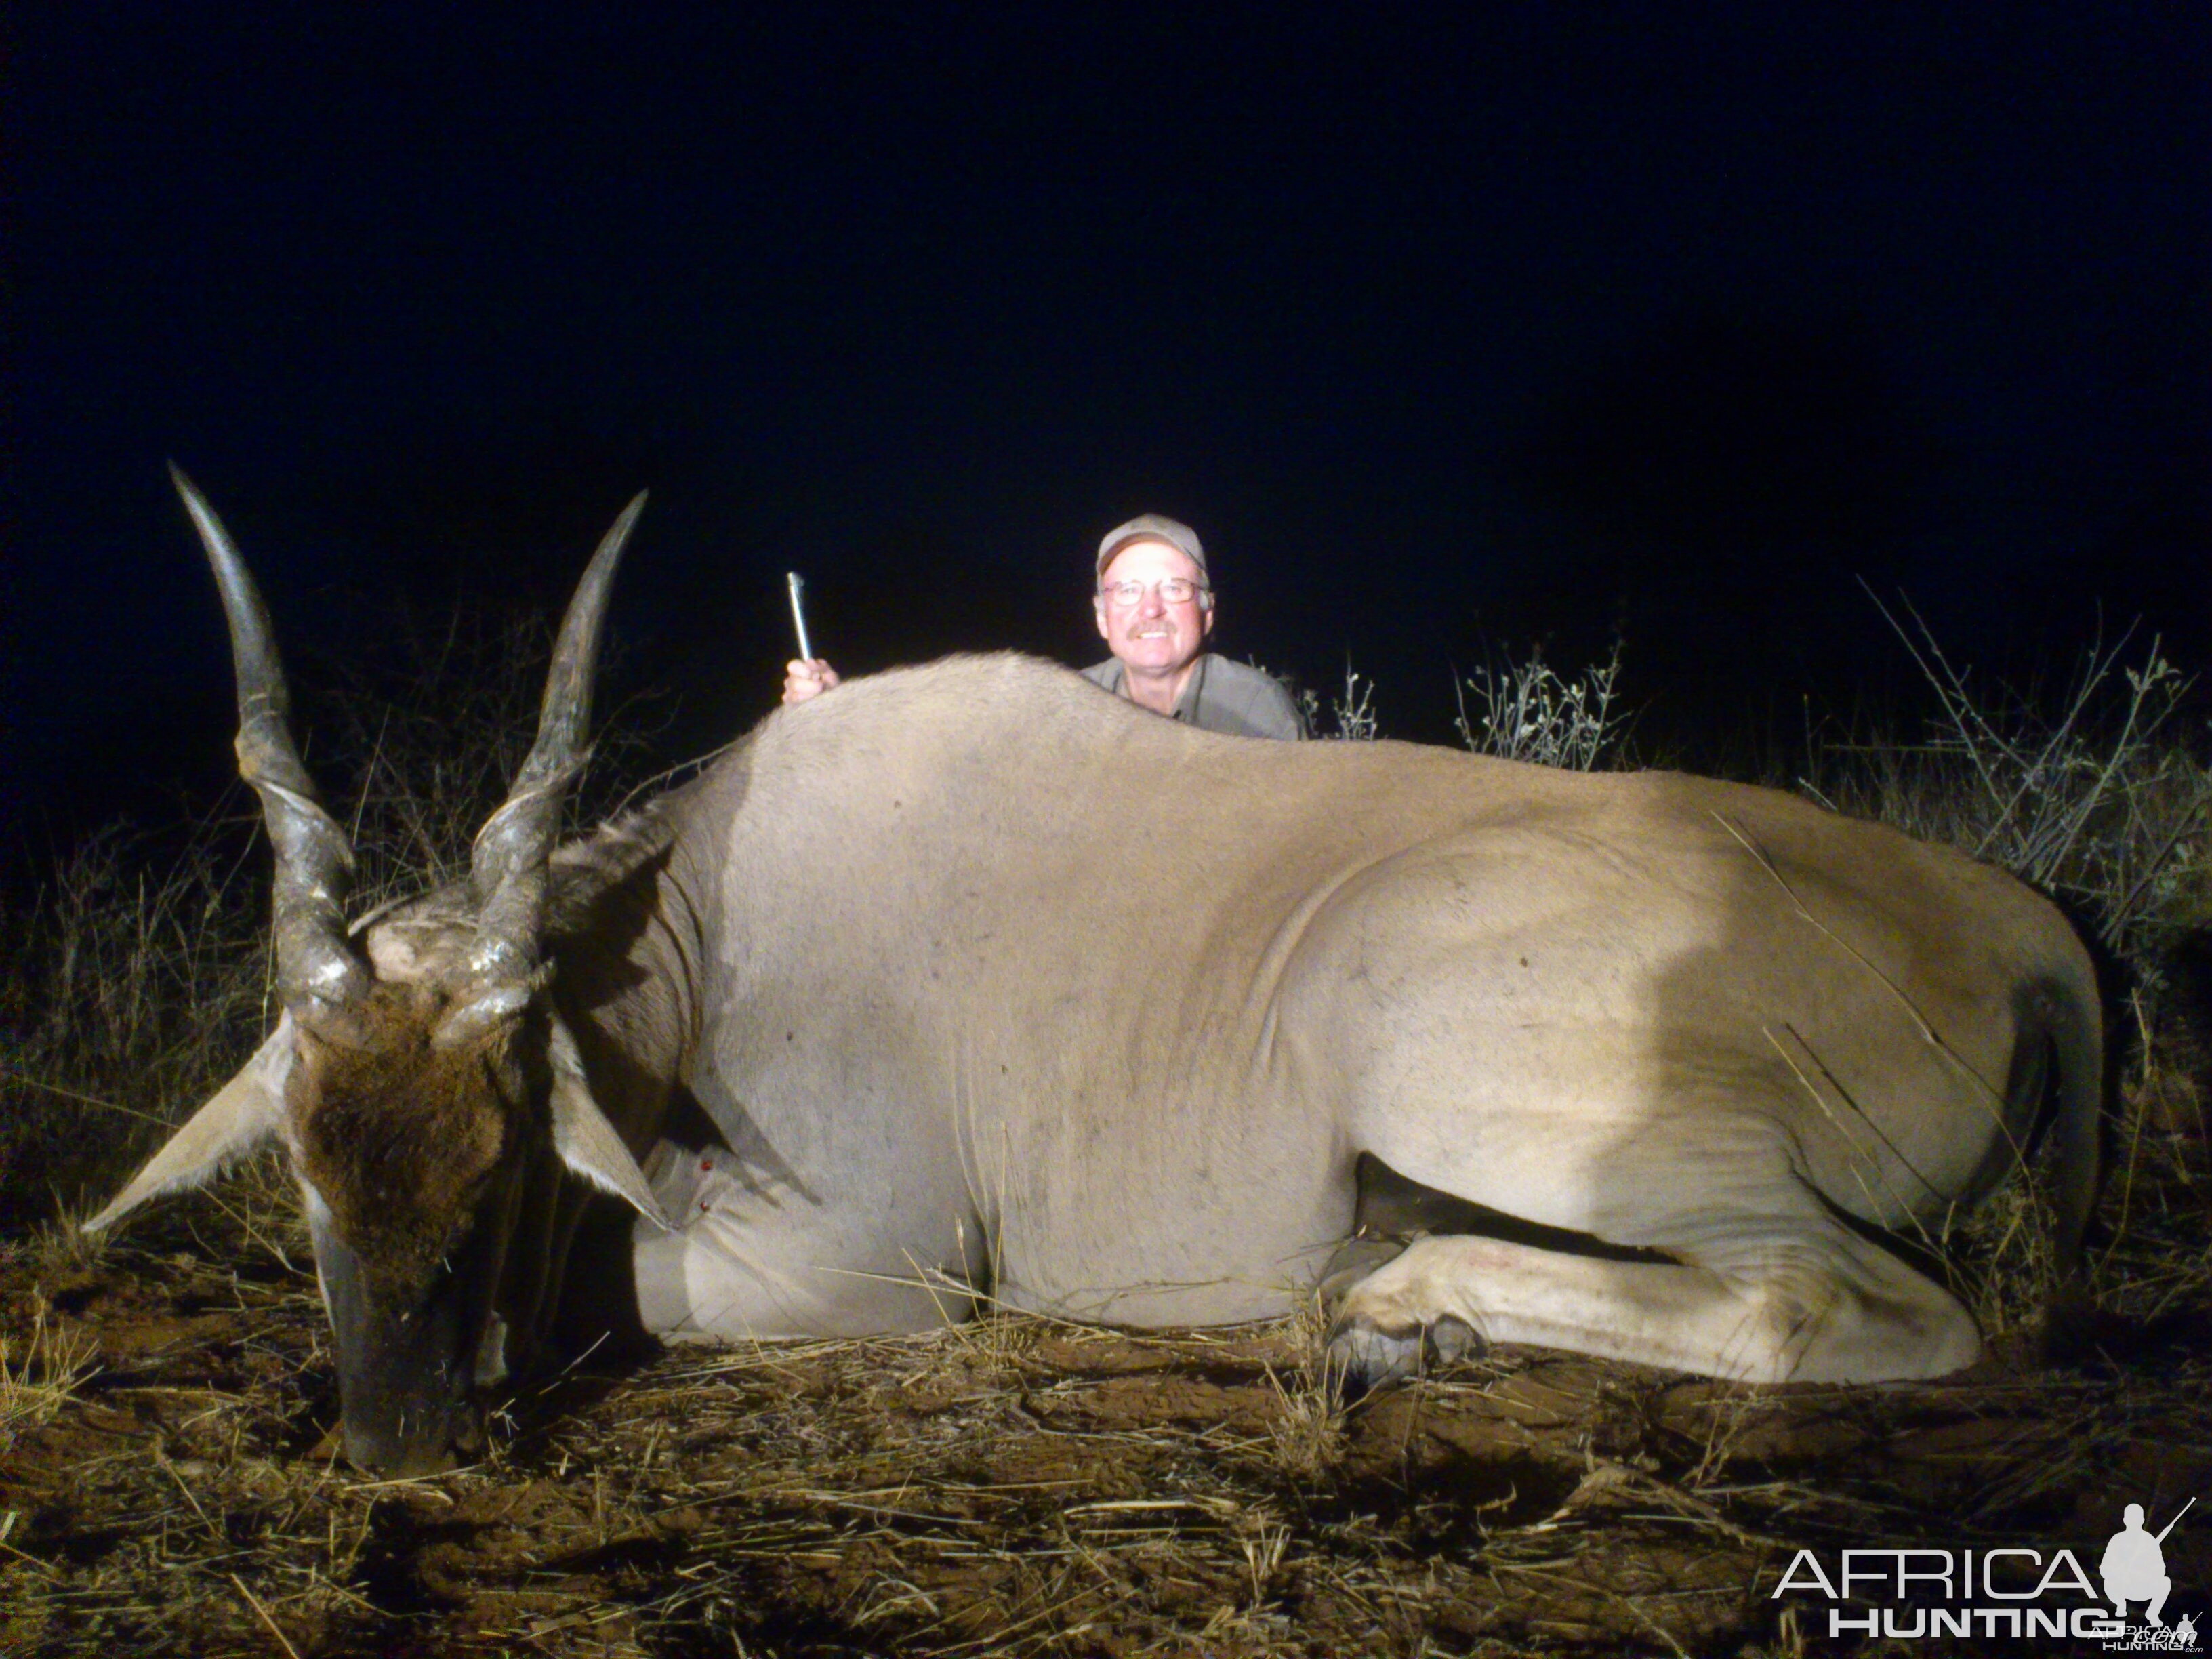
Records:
x=1154, y=527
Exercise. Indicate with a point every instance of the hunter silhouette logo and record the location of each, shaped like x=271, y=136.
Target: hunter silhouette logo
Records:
x=2008, y=1592
x=2134, y=1568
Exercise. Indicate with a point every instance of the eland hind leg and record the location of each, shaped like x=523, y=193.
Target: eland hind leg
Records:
x=1803, y=1299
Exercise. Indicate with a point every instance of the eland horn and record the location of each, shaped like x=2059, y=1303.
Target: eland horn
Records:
x=508, y=867
x=318, y=971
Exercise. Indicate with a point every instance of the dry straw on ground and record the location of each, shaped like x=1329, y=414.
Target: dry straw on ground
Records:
x=1021, y=1486
x=1031, y=1488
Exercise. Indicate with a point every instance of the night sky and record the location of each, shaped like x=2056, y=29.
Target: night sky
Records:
x=1529, y=323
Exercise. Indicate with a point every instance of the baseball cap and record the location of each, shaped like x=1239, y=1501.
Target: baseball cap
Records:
x=1154, y=527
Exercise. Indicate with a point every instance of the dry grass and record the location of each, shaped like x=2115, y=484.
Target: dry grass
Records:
x=123, y=984
x=36, y=1382
x=1020, y=1485
x=1307, y=1423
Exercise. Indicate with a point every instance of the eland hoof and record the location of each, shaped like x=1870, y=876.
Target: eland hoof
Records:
x=1362, y=1357
x=1353, y=1261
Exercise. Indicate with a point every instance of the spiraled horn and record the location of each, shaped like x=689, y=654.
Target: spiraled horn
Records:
x=317, y=970
x=509, y=865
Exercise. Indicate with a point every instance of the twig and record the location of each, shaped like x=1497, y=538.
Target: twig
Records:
x=254, y=1602
x=29, y=1081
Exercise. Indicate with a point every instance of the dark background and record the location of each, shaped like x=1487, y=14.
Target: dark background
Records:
x=1523, y=326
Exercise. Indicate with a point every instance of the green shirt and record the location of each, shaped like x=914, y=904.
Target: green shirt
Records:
x=1224, y=696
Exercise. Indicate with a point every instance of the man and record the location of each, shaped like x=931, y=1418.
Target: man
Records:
x=1154, y=606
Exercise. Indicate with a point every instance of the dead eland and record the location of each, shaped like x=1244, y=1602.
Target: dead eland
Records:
x=990, y=984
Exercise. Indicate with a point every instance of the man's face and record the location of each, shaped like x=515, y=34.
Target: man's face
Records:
x=1152, y=637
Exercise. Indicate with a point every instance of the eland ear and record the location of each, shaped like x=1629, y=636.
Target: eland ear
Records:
x=587, y=1141
x=241, y=1118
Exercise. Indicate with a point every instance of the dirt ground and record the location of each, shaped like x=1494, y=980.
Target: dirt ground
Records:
x=166, y=1482
x=167, y=1485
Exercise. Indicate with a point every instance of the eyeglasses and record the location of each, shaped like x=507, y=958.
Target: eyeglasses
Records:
x=1175, y=590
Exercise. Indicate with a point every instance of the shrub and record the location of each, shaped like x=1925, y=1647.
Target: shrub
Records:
x=1527, y=711
x=2098, y=804
x=1351, y=715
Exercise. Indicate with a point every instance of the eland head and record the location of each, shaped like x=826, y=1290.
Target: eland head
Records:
x=425, y=1092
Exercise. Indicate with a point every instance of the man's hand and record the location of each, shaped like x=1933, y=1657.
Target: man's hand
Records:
x=805, y=677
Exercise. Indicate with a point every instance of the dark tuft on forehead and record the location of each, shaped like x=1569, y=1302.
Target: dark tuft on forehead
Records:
x=395, y=1132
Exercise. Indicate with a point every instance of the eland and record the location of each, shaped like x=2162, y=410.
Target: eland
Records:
x=985, y=987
